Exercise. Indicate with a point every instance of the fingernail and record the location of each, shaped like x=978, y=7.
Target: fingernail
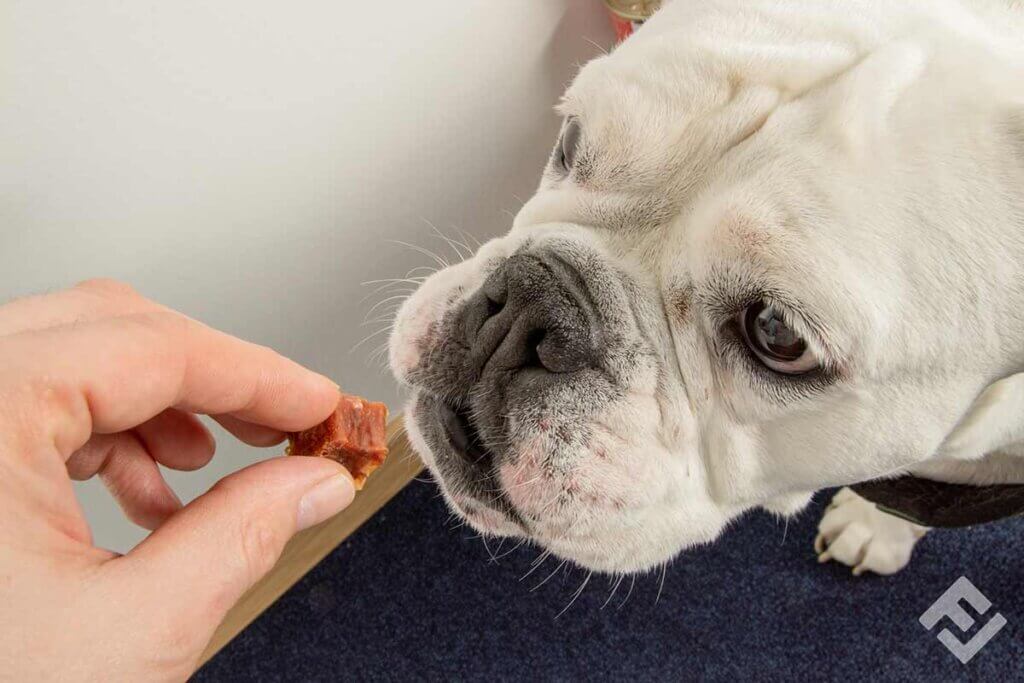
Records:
x=326, y=499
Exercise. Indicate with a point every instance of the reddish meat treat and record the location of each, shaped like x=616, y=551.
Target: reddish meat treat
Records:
x=354, y=435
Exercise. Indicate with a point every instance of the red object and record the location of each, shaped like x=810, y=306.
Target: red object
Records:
x=354, y=435
x=623, y=27
x=629, y=15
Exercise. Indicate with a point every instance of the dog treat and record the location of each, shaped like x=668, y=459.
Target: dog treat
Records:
x=354, y=435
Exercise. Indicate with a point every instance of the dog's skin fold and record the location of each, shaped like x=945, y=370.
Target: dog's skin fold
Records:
x=856, y=169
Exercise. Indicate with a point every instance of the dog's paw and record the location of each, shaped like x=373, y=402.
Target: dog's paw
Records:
x=856, y=533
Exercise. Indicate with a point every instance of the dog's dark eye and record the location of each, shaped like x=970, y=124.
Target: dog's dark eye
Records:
x=566, y=154
x=775, y=343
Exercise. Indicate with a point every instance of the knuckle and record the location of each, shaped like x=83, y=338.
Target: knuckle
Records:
x=48, y=391
x=167, y=335
x=39, y=411
x=60, y=408
x=165, y=325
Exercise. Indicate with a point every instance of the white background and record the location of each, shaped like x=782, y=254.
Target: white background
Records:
x=248, y=162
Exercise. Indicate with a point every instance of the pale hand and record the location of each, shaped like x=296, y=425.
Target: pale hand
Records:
x=99, y=380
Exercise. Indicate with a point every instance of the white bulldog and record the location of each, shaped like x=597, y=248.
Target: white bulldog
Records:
x=779, y=246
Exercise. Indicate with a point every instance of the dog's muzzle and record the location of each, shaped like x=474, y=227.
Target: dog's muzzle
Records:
x=530, y=326
x=536, y=404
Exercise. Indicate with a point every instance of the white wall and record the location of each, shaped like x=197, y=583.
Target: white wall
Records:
x=248, y=161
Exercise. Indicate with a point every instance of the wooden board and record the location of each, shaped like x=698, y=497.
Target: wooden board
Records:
x=307, y=548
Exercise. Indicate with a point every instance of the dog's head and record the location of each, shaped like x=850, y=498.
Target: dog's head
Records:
x=771, y=252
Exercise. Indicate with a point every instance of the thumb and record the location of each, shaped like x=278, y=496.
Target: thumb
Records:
x=202, y=559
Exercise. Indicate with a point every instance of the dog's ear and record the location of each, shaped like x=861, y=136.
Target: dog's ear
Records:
x=994, y=421
x=869, y=91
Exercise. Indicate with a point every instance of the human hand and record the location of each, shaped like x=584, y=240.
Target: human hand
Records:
x=99, y=380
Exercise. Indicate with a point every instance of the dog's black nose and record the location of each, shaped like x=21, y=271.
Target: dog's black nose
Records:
x=533, y=311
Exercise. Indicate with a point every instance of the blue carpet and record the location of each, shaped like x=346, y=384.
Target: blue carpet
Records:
x=408, y=598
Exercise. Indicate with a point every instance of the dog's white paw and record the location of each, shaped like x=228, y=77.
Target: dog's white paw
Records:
x=856, y=533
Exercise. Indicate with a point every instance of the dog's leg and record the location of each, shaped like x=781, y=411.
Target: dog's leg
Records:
x=856, y=533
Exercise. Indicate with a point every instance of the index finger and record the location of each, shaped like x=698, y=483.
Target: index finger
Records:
x=113, y=374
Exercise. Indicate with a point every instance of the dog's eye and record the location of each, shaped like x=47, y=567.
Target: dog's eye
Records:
x=566, y=155
x=776, y=344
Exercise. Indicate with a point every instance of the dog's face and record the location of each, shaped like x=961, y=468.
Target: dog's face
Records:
x=757, y=264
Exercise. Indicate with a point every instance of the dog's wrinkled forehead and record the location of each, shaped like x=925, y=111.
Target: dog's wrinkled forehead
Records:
x=699, y=81
x=659, y=112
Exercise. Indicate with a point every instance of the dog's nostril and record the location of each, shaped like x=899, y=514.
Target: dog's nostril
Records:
x=495, y=292
x=488, y=302
x=556, y=353
x=494, y=307
x=533, y=342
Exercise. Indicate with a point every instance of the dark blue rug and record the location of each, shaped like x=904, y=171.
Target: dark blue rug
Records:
x=408, y=598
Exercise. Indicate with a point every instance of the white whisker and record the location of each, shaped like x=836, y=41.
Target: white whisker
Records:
x=614, y=589
x=526, y=483
x=576, y=595
x=388, y=316
x=430, y=271
x=394, y=297
x=548, y=577
x=426, y=252
x=468, y=237
x=603, y=50
x=394, y=287
x=497, y=551
x=511, y=550
x=369, y=337
x=483, y=538
x=661, y=585
x=536, y=563
x=395, y=280
x=632, y=583
x=455, y=245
